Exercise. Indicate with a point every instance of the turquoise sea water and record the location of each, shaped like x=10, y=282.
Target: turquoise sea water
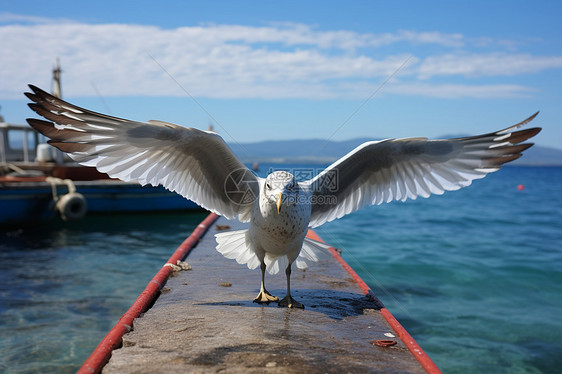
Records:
x=474, y=275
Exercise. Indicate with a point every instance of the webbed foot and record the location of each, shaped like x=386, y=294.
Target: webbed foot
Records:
x=289, y=302
x=265, y=297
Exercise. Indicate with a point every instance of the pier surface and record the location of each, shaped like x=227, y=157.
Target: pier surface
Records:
x=205, y=322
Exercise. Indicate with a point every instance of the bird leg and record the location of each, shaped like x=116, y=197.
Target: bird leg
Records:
x=264, y=296
x=288, y=301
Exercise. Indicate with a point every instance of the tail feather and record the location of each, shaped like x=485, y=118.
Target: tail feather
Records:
x=230, y=246
x=312, y=251
x=236, y=245
x=274, y=264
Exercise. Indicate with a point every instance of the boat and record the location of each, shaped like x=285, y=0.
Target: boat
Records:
x=39, y=183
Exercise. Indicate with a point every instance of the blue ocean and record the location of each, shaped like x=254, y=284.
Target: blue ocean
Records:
x=474, y=275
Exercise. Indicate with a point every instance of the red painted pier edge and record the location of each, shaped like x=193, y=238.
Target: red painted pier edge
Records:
x=101, y=355
x=406, y=338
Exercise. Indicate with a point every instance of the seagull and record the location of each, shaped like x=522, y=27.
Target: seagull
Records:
x=200, y=166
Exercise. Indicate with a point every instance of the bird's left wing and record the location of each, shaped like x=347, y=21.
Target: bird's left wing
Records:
x=196, y=164
x=398, y=169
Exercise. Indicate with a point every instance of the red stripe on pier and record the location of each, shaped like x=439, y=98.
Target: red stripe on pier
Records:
x=406, y=338
x=100, y=356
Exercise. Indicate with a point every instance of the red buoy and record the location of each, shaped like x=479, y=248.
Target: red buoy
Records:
x=520, y=187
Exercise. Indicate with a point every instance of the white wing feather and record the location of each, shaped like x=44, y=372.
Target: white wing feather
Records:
x=196, y=164
x=401, y=169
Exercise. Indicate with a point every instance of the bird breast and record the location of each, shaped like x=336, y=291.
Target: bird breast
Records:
x=283, y=231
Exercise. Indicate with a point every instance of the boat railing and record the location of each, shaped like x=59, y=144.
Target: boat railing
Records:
x=18, y=143
x=22, y=144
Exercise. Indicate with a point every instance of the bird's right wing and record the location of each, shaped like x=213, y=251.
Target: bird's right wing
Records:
x=196, y=164
x=400, y=169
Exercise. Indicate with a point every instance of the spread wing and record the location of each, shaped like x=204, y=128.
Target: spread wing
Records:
x=196, y=164
x=400, y=169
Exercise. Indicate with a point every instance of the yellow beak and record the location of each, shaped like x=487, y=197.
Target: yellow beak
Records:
x=279, y=200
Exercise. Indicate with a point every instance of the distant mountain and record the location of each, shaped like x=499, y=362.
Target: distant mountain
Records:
x=299, y=150
x=318, y=151
x=540, y=156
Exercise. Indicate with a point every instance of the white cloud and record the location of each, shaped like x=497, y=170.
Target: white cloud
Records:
x=462, y=91
x=291, y=34
x=232, y=61
x=479, y=65
x=6, y=17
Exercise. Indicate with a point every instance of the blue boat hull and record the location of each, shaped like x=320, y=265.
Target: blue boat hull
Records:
x=33, y=201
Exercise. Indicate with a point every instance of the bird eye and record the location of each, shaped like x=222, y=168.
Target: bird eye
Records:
x=268, y=186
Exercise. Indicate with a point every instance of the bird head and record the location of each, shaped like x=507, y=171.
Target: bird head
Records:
x=280, y=189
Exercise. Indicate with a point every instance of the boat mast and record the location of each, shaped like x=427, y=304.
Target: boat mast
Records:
x=57, y=91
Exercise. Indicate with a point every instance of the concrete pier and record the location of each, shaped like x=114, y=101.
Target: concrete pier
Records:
x=205, y=322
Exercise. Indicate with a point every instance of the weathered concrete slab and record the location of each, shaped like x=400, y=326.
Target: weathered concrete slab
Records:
x=205, y=322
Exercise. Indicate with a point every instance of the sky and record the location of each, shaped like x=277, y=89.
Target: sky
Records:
x=265, y=70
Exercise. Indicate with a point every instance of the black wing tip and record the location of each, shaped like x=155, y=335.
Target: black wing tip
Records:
x=525, y=146
x=31, y=96
x=511, y=129
x=34, y=88
x=534, y=131
x=529, y=119
x=34, y=91
x=529, y=132
x=37, y=93
x=33, y=122
x=57, y=144
x=520, y=136
x=33, y=106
